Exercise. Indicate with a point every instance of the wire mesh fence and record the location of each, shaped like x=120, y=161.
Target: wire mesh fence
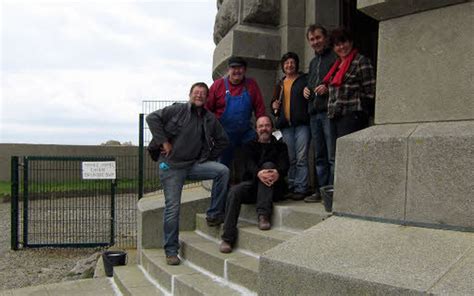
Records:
x=52, y=204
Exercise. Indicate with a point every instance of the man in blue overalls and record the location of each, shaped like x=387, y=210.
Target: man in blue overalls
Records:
x=232, y=99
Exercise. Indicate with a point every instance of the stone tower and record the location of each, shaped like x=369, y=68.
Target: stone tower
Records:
x=404, y=188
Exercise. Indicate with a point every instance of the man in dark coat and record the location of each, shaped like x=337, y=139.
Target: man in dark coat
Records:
x=190, y=139
x=266, y=164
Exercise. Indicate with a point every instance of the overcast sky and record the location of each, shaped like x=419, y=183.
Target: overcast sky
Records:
x=76, y=72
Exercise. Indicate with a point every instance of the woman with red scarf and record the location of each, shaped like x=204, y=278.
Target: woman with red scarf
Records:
x=351, y=85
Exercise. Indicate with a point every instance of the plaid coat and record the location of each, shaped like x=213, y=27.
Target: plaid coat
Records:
x=357, y=92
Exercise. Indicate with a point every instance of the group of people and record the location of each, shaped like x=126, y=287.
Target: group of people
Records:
x=197, y=140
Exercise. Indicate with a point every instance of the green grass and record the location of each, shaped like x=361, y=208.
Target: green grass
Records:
x=123, y=186
x=4, y=188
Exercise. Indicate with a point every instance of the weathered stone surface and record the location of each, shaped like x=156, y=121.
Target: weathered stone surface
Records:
x=425, y=66
x=343, y=256
x=371, y=170
x=226, y=18
x=266, y=12
x=250, y=43
x=440, y=186
x=459, y=280
x=385, y=9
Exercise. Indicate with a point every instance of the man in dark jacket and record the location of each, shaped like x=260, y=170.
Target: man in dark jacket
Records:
x=190, y=139
x=317, y=94
x=266, y=165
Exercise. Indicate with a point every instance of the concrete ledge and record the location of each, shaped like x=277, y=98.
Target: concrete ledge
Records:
x=385, y=9
x=150, y=215
x=343, y=256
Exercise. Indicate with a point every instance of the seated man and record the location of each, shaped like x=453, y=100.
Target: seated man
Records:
x=190, y=138
x=265, y=165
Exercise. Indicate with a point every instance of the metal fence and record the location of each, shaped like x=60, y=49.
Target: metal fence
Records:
x=52, y=204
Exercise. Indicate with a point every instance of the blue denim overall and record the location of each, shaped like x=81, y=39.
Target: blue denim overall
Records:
x=236, y=121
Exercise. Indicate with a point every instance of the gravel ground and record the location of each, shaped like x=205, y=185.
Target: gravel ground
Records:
x=33, y=266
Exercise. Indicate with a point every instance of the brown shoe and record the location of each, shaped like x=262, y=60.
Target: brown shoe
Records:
x=225, y=247
x=264, y=222
x=316, y=197
x=172, y=260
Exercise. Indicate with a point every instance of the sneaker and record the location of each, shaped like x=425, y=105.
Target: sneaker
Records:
x=297, y=196
x=172, y=260
x=264, y=222
x=225, y=247
x=211, y=222
x=315, y=197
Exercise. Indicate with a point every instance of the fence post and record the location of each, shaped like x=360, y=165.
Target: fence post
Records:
x=25, y=201
x=112, y=212
x=14, y=202
x=141, y=166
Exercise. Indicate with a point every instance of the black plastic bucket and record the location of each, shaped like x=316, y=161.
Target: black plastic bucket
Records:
x=326, y=194
x=111, y=259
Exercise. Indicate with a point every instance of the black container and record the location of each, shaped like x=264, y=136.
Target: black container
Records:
x=111, y=259
x=326, y=194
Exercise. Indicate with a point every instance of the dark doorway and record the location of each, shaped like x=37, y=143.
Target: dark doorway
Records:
x=364, y=28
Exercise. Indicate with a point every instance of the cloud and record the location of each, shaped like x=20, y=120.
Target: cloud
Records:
x=75, y=72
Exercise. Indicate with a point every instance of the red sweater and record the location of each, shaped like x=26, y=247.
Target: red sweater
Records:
x=216, y=101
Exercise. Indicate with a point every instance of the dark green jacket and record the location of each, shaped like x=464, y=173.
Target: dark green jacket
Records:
x=318, y=68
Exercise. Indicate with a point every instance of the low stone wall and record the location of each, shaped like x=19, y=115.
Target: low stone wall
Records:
x=9, y=150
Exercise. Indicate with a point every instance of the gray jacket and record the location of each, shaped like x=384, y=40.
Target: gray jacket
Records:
x=181, y=125
x=318, y=68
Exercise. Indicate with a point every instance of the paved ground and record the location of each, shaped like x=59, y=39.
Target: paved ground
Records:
x=34, y=266
x=91, y=287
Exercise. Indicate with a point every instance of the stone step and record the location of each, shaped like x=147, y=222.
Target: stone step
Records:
x=294, y=215
x=236, y=267
x=132, y=281
x=154, y=262
x=250, y=237
x=257, y=241
x=345, y=256
x=200, y=284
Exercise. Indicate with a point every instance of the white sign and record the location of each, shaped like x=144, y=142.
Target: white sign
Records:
x=98, y=170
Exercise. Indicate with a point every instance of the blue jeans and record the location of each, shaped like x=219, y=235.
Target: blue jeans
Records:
x=172, y=181
x=324, y=148
x=297, y=139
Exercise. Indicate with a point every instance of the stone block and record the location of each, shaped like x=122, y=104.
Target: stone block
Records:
x=293, y=39
x=292, y=13
x=440, y=186
x=435, y=82
x=370, y=176
x=265, y=12
x=226, y=17
x=251, y=43
x=343, y=256
x=150, y=215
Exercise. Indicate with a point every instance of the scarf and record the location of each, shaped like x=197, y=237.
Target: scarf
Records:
x=337, y=80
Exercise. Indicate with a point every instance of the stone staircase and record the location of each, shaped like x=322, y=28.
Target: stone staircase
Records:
x=206, y=271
